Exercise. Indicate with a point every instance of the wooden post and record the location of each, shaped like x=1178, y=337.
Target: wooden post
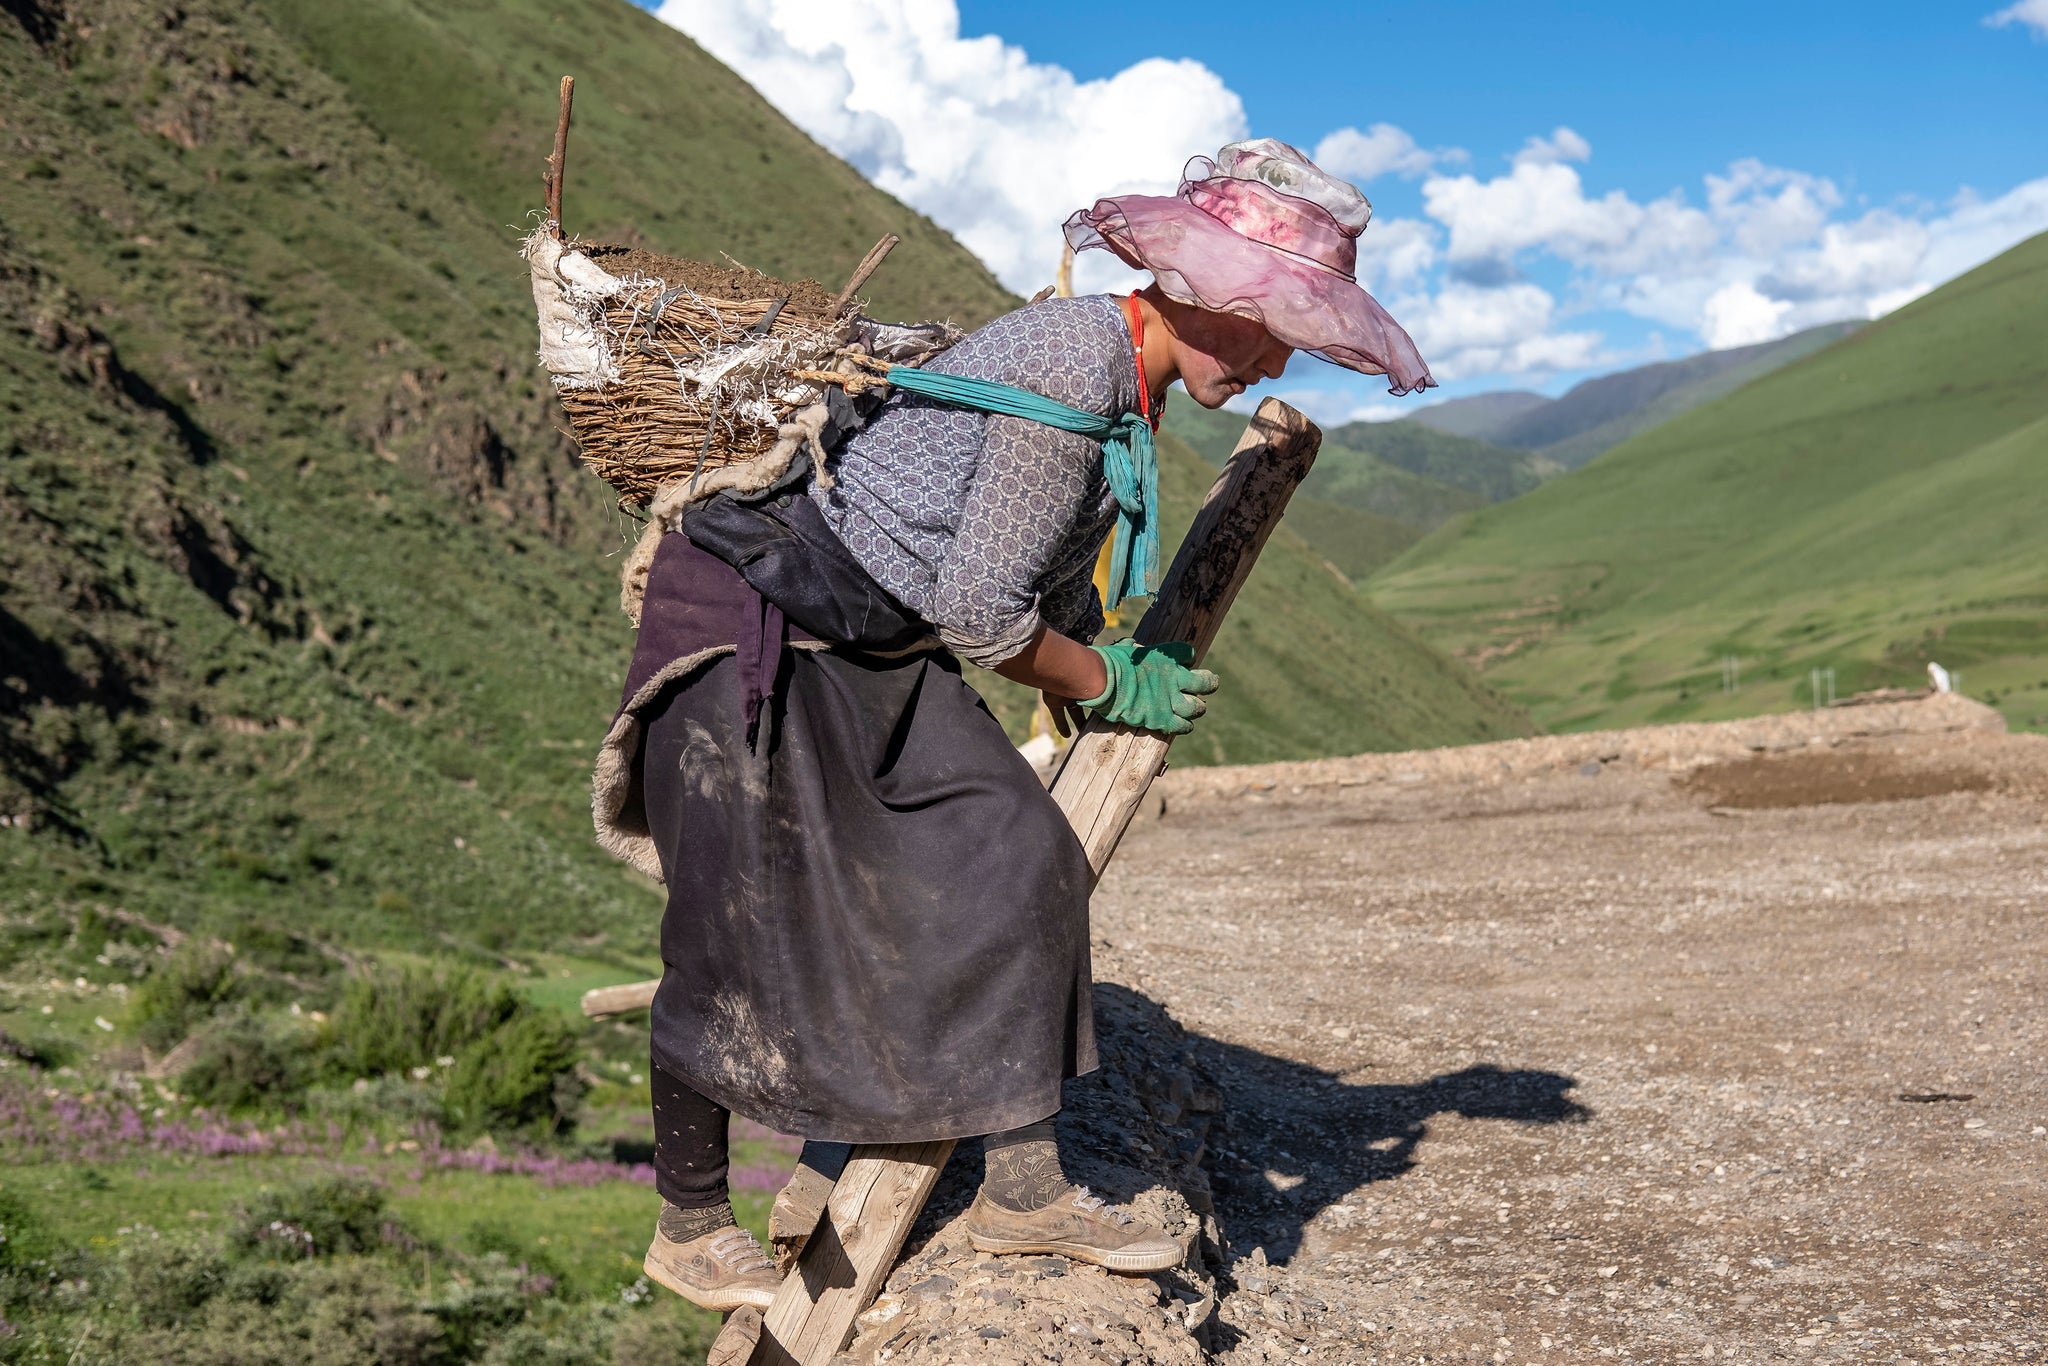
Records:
x=558, y=160
x=1100, y=786
x=868, y=265
x=1107, y=768
x=600, y=1002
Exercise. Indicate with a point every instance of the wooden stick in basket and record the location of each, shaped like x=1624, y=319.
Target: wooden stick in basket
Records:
x=556, y=161
x=867, y=266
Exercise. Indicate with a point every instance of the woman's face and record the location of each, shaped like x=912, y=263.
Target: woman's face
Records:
x=1221, y=355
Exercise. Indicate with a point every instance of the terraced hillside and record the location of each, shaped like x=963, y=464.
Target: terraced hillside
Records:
x=1869, y=508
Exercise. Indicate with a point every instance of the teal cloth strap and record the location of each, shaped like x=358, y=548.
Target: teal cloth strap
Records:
x=1129, y=462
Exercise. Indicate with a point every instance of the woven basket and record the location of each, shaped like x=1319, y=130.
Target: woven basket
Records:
x=673, y=370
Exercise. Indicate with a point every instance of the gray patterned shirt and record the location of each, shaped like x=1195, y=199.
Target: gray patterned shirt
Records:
x=987, y=525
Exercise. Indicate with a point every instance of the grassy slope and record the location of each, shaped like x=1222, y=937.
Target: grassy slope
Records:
x=1346, y=475
x=670, y=149
x=1354, y=540
x=1493, y=472
x=1874, y=505
x=308, y=613
x=1602, y=413
x=1309, y=667
x=1482, y=416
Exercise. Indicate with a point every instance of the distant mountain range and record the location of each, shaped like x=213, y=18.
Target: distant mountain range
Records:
x=1604, y=412
x=1379, y=487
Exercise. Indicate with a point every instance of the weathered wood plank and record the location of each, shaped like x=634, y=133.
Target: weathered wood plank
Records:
x=1099, y=787
x=798, y=1206
x=877, y=1199
x=619, y=1000
x=1107, y=769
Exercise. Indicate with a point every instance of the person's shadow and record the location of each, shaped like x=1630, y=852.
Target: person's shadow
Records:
x=1278, y=1140
x=1295, y=1139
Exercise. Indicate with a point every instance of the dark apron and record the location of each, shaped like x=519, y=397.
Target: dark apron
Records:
x=877, y=921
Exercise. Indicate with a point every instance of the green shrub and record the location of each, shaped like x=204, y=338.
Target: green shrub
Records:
x=668, y=1333
x=168, y=1281
x=246, y=1060
x=343, y=1313
x=183, y=993
x=323, y=1217
x=392, y=1020
x=523, y=1074
x=501, y=1062
x=491, y=1296
x=23, y=1240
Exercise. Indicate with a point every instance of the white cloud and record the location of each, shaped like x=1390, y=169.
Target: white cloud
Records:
x=1562, y=145
x=1395, y=252
x=1737, y=315
x=995, y=147
x=1381, y=149
x=1767, y=255
x=1542, y=202
x=2031, y=14
x=999, y=149
x=1467, y=330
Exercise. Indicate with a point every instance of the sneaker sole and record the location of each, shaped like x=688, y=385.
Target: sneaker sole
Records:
x=720, y=1303
x=1137, y=1263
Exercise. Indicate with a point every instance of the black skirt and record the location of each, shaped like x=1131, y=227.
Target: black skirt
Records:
x=877, y=921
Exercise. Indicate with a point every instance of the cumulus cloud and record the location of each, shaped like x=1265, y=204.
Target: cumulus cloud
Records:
x=2031, y=14
x=1767, y=252
x=1000, y=149
x=995, y=147
x=1380, y=150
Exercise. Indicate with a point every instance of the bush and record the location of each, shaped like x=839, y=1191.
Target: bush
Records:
x=524, y=1074
x=23, y=1240
x=321, y=1315
x=392, y=1020
x=245, y=1061
x=508, y=1064
x=169, y=1280
x=319, y=1218
x=183, y=993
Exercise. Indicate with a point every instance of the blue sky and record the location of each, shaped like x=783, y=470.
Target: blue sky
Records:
x=1541, y=177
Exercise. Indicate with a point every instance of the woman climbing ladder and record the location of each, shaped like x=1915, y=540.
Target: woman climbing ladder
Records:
x=877, y=920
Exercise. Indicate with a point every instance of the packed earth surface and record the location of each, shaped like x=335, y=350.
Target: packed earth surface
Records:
x=1709, y=1042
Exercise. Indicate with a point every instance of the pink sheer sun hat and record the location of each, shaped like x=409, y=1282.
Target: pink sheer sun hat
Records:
x=1265, y=233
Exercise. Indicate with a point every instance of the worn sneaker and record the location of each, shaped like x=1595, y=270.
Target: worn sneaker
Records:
x=723, y=1269
x=1077, y=1225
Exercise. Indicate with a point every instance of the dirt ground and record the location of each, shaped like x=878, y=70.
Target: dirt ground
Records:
x=1717, y=1045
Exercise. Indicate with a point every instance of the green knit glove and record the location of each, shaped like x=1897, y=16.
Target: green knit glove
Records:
x=1152, y=687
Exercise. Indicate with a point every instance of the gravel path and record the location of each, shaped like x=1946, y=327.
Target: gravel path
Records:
x=1593, y=1048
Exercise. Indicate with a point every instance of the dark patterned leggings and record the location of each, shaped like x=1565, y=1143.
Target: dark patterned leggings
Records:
x=690, y=1146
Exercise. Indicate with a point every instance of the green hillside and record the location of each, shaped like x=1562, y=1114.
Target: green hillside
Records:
x=308, y=610
x=1310, y=667
x=1875, y=505
x=1356, y=541
x=1598, y=414
x=1490, y=471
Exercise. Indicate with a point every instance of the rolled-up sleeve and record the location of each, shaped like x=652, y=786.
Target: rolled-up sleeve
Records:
x=1033, y=484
